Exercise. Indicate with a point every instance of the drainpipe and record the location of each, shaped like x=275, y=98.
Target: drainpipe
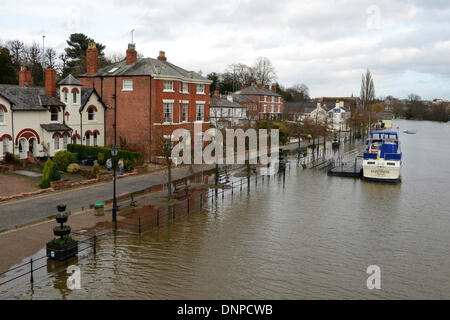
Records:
x=150, y=119
x=12, y=129
x=81, y=127
x=104, y=112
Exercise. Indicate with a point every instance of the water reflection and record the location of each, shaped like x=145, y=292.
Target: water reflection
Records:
x=311, y=237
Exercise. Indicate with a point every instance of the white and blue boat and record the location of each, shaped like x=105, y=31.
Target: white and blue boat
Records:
x=382, y=160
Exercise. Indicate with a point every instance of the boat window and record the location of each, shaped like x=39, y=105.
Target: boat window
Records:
x=370, y=162
x=390, y=163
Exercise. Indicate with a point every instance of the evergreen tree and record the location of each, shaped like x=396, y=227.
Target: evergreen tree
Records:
x=7, y=71
x=75, y=54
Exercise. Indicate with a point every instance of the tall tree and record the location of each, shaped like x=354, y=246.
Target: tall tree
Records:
x=214, y=77
x=264, y=70
x=50, y=58
x=367, y=90
x=33, y=56
x=76, y=53
x=16, y=48
x=7, y=71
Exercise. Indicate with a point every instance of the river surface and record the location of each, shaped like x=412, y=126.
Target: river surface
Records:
x=312, y=237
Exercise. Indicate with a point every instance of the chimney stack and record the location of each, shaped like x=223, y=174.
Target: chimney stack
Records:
x=91, y=59
x=131, y=53
x=274, y=87
x=216, y=93
x=162, y=56
x=259, y=84
x=266, y=86
x=230, y=96
x=25, y=79
x=245, y=85
x=50, y=82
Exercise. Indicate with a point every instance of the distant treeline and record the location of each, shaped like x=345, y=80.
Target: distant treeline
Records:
x=416, y=109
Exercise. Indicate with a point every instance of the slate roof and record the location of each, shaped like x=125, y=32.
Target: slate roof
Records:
x=149, y=66
x=223, y=102
x=56, y=127
x=28, y=98
x=298, y=107
x=254, y=90
x=242, y=99
x=70, y=81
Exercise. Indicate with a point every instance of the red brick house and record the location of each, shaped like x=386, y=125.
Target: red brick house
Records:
x=148, y=97
x=269, y=104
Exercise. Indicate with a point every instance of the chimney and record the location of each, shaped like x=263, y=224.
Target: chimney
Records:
x=25, y=79
x=230, y=96
x=50, y=82
x=266, y=86
x=245, y=85
x=274, y=87
x=162, y=56
x=259, y=84
x=216, y=93
x=91, y=59
x=131, y=53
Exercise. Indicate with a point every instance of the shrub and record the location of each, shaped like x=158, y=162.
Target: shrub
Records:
x=55, y=175
x=63, y=159
x=85, y=151
x=45, y=182
x=128, y=165
x=95, y=170
x=101, y=158
x=9, y=158
x=73, y=168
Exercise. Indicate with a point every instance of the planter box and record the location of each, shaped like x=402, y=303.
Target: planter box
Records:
x=62, y=252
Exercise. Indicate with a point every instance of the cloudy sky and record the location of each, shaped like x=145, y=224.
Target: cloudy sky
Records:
x=326, y=44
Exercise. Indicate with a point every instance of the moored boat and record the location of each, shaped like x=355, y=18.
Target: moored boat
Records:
x=382, y=160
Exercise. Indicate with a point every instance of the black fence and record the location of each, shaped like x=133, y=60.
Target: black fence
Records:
x=161, y=216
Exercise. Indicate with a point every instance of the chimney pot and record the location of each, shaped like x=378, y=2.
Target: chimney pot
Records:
x=50, y=82
x=162, y=56
x=25, y=78
x=259, y=84
x=266, y=86
x=91, y=59
x=274, y=87
x=131, y=53
x=245, y=85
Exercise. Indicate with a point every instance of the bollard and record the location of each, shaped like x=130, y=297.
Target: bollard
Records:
x=95, y=244
x=31, y=267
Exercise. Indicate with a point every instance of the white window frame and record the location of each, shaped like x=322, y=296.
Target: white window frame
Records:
x=184, y=115
x=95, y=139
x=200, y=85
x=166, y=87
x=65, y=95
x=200, y=104
x=93, y=114
x=56, y=142
x=5, y=144
x=127, y=85
x=51, y=114
x=273, y=99
x=88, y=139
x=168, y=103
x=265, y=98
x=265, y=108
x=74, y=97
x=65, y=142
x=2, y=116
x=187, y=87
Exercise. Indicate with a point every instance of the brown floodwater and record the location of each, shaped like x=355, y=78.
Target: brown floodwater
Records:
x=311, y=237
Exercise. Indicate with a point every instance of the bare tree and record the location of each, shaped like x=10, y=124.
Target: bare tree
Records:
x=50, y=58
x=367, y=90
x=16, y=47
x=241, y=73
x=115, y=56
x=264, y=70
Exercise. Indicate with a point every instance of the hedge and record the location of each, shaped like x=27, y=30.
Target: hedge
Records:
x=85, y=151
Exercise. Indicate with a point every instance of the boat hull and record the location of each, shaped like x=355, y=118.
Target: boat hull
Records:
x=382, y=170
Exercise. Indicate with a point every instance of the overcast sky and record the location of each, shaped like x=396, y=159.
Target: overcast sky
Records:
x=326, y=44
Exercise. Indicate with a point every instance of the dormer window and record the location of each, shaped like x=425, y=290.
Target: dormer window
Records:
x=54, y=114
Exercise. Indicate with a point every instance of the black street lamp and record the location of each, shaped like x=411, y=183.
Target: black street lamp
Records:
x=114, y=152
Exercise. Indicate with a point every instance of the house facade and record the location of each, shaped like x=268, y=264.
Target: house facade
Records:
x=34, y=121
x=269, y=104
x=225, y=113
x=147, y=98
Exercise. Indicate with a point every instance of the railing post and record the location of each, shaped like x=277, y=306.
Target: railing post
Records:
x=232, y=187
x=157, y=217
x=31, y=268
x=139, y=225
x=241, y=184
x=95, y=244
x=188, y=205
x=173, y=212
x=201, y=201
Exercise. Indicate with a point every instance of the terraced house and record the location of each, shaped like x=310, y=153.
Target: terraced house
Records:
x=34, y=121
x=146, y=98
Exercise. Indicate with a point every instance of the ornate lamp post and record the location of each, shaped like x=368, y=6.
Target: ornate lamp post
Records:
x=114, y=152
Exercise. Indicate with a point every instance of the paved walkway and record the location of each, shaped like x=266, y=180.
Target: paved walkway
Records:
x=16, y=213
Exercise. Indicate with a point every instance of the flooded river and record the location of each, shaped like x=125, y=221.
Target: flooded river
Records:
x=312, y=237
